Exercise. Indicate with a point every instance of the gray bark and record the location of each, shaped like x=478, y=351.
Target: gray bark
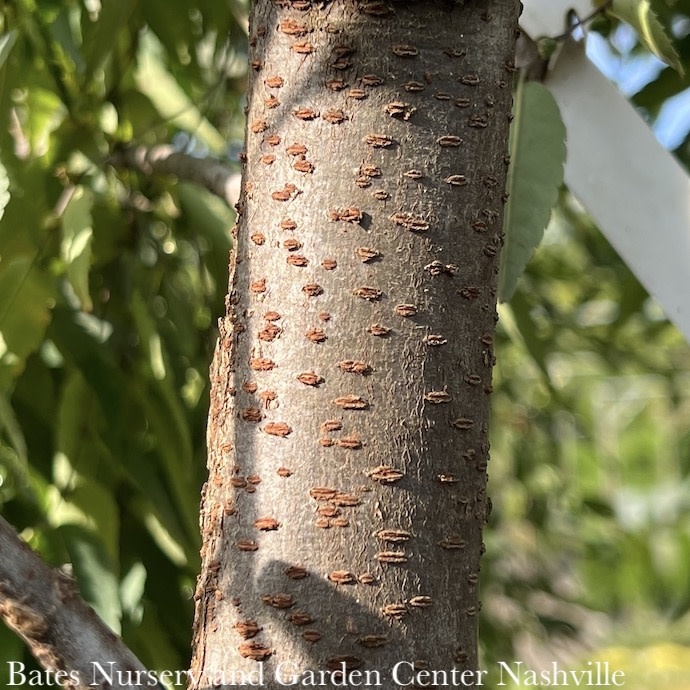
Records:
x=347, y=439
x=74, y=646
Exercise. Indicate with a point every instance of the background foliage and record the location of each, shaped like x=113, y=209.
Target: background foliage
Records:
x=110, y=286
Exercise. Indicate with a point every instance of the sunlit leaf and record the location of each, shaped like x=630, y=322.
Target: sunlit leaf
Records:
x=93, y=569
x=132, y=591
x=77, y=235
x=26, y=296
x=159, y=85
x=43, y=112
x=7, y=41
x=165, y=414
x=641, y=16
x=537, y=154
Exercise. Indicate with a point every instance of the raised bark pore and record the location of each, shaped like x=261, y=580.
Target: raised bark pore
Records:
x=350, y=387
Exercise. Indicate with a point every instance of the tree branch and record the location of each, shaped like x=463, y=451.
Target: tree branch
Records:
x=65, y=635
x=165, y=160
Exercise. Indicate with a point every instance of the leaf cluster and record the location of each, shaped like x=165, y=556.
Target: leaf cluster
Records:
x=110, y=286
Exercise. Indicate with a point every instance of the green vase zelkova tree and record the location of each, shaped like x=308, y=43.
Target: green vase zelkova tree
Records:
x=342, y=519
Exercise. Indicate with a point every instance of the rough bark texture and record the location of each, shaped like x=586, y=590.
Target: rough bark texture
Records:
x=68, y=639
x=350, y=388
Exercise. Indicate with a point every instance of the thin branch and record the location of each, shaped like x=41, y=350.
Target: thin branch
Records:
x=165, y=160
x=65, y=635
x=581, y=22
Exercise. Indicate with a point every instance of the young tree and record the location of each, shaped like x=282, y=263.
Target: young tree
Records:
x=347, y=439
x=109, y=276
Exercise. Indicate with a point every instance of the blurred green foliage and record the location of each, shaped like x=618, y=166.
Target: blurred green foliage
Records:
x=110, y=286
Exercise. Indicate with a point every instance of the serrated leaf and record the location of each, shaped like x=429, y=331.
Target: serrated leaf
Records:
x=537, y=154
x=640, y=15
x=4, y=190
x=77, y=235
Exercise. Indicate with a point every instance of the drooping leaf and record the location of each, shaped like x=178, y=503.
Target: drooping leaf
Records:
x=100, y=37
x=26, y=295
x=537, y=154
x=97, y=582
x=211, y=219
x=641, y=16
x=165, y=416
x=160, y=86
x=85, y=502
x=82, y=341
x=77, y=235
x=7, y=41
x=9, y=425
x=66, y=40
x=132, y=592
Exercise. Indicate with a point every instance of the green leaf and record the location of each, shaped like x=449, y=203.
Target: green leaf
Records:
x=208, y=217
x=9, y=424
x=132, y=592
x=65, y=38
x=7, y=41
x=93, y=569
x=100, y=37
x=44, y=111
x=77, y=235
x=4, y=190
x=640, y=15
x=26, y=296
x=521, y=328
x=83, y=340
x=160, y=86
x=85, y=502
x=537, y=154
x=166, y=418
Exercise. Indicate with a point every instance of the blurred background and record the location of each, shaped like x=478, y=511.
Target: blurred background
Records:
x=111, y=282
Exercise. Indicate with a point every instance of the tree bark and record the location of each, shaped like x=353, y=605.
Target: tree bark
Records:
x=74, y=646
x=347, y=437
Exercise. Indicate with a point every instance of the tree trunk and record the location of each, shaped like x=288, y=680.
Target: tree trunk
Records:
x=350, y=387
